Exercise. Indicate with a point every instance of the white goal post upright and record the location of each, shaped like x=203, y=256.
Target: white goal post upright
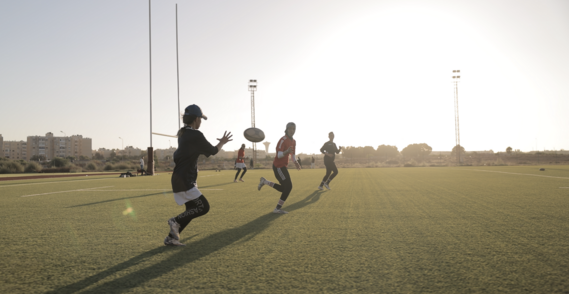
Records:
x=252, y=89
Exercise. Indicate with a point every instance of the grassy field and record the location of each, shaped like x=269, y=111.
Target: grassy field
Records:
x=403, y=230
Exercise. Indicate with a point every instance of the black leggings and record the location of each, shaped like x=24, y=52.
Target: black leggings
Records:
x=330, y=168
x=194, y=208
x=281, y=173
x=239, y=170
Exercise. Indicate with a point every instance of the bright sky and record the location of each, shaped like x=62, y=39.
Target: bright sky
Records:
x=374, y=72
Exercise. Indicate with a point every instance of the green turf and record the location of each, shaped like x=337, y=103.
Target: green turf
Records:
x=408, y=230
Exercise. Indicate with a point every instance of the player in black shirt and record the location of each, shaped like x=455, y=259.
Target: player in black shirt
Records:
x=329, y=149
x=191, y=144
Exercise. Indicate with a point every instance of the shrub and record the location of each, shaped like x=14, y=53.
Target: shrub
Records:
x=392, y=161
x=91, y=166
x=75, y=169
x=60, y=162
x=108, y=167
x=33, y=167
x=122, y=166
x=408, y=165
x=10, y=167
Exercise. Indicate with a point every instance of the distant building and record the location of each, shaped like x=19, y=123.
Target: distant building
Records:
x=15, y=150
x=222, y=154
x=51, y=147
x=105, y=152
x=131, y=151
x=1, y=146
x=165, y=154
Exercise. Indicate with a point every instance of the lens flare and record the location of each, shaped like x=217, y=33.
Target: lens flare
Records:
x=127, y=211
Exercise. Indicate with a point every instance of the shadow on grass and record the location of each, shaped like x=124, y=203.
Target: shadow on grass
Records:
x=117, y=199
x=184, y=256
x=203, y=187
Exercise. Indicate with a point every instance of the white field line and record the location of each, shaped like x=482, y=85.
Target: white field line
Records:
x=14, y=185
x=78, y=190
x=129, y=190
x=564, y=187
x=492, y=171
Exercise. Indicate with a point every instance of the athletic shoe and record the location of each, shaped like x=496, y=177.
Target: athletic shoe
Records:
x=320, y=188
x=169, y=241
x=241, y=180
x=261, y=183
x=235, y=181
x=327, y=187
x=174, y=228
x=279, y=211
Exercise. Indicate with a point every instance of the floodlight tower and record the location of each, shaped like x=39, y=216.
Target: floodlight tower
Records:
x=455, y=81
x=252, y=89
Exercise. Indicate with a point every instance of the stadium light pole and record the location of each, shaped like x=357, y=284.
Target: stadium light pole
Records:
x=122, y=142
x=252, y=89
x=455, y=81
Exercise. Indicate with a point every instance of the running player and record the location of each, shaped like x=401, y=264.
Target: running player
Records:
x=240, y=163
x=285, y=147
x=191, y=144
x=329, y=149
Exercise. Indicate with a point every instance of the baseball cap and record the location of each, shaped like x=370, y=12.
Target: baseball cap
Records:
x=195, y=110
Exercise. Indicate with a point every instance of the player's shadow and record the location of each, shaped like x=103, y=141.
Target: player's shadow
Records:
x=185, y=255
x=203, y=187
x=117, y=199
x=310, y=199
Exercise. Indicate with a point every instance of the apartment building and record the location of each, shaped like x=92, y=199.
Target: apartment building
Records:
x=50, y=146
x=42, y=146
x=15, y=149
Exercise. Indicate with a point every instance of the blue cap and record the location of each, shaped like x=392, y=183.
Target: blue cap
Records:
x=194, y=110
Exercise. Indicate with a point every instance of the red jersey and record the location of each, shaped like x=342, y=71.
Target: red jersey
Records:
x=283, y=145
x=240, y=156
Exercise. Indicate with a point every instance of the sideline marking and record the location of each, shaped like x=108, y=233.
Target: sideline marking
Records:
x=134, y=190
x=79, y=190
x=564, y=187
x=2, y=186
x=492, y=171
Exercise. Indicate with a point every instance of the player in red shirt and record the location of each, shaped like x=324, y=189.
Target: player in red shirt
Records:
x=285, y=147
x=240, y=163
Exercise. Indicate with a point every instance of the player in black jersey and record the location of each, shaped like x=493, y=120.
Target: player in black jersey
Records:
x=330, y=150
x=191, y=144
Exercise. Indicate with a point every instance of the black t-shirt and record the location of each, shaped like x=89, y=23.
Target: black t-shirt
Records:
x=191, y=144
x=330, y=148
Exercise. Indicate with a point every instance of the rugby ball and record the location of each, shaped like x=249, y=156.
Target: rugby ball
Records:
x=254, y=135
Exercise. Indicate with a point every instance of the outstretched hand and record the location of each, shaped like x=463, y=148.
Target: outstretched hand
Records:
x=226, y=138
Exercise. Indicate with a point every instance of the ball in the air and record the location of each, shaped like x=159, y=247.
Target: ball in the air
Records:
x=254, y=135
